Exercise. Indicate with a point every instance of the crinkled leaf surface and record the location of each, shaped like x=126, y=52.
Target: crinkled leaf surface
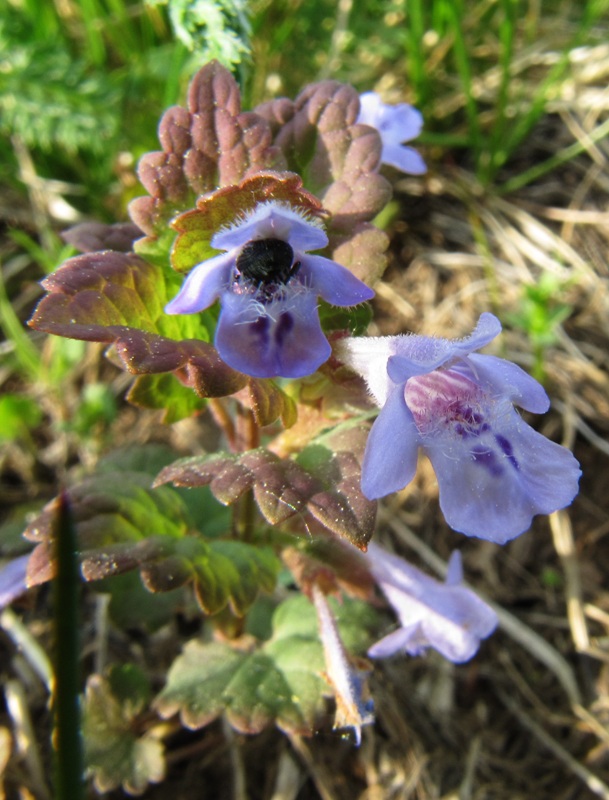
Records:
x=87, y=237
x=280, y=683
x=217, y=209
x=115, y=755
x=326, y=485
x=339, y=161
x=119, y=298
x=211, y=143
x=122, y=524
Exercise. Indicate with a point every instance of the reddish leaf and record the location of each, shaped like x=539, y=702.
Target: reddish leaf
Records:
x=283, y=489
x=88, y=237
x=210, y=144
x=217, y=209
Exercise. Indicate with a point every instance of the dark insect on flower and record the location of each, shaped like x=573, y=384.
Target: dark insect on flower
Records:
x=267, y=262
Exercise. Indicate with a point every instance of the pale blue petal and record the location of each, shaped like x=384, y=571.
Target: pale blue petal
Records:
x=492, y=484
x=273, y=220
x=511, y=381
x=415, y=355
x=13, y=580
x=390, y=458
x=283, y=338
x=404, y=158
x=446, y=616
x=402, y=640
x=203, y=286
x=335, y=283
x=454, y=570
x=395, y=123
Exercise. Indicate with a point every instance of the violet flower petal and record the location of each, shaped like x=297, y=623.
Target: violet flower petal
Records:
x=494, y=471
x=449, y=617
x=203, y=286
x=13, y=580
x=283, y=338
x=404, y=158
x=269, y=322
x=417, y=354
x=390, y=458
x=273, y=220
x=395, y=124
x=492, y=484
x=510, y=380
x=333, y=282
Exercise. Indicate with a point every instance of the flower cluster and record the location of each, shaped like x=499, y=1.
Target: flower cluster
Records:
x=494, y=471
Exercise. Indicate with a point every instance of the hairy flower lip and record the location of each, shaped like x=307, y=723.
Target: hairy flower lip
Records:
x=270, y=328
x=494, y=471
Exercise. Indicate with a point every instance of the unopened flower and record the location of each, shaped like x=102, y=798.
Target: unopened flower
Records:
x=446, y=616
x=268, y=286
x=494, y=471
x=396, y=124
x=348, y=681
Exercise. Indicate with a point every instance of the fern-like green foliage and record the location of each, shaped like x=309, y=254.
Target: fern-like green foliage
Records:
x=212, y=29
x=50, y=100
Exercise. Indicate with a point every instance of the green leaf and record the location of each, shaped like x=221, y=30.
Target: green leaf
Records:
x=18, y=415
x=132, y=607
x=282, y=682
x=115, y=755
x=123, y=524
x=165, y=392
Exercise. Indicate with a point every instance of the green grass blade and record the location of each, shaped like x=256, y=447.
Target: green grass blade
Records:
x=69, y=763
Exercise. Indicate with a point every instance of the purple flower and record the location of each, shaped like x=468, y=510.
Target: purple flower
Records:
x=395, y=124
x=446, y=616
x=494, y=471
x=13, y=580
x=268, y=287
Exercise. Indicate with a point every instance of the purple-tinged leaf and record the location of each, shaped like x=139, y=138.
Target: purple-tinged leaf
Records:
x=320, y=139
x=268, y=402
x=118, y=298
x=219, y=208
x=328, y=488
x=212, y=143
x=88, y=237
x=123, y=524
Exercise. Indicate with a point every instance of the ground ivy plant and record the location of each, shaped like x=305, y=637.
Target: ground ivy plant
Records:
x=239, y=293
